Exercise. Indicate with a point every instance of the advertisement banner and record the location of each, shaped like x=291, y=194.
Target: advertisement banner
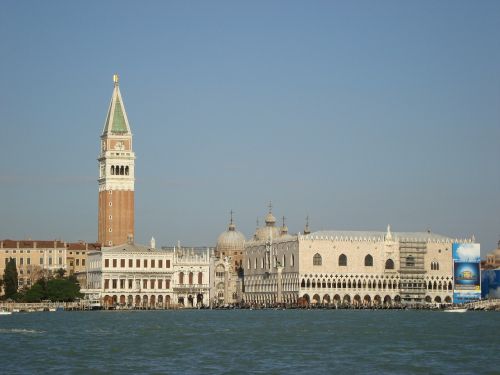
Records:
x=466, y=272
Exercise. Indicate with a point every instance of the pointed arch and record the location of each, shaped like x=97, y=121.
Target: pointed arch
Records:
x=389, y=264
x=342, y=260
x=317, y=260
x=368, y=261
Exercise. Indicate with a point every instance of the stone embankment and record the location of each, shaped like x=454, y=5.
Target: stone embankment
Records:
x=487, y=305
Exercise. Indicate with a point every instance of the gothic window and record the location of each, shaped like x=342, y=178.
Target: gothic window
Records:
x=200, y=278
x=342, y=260
x=190, y=278
x=368, y=261
x=317, y=261
x=122, y=171
x=112, y=169
x=389, y=264
x=126, y=170
x=181, y=278
x=303, y=284
x=292, y=260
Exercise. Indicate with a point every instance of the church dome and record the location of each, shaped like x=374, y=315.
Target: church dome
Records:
x=230, y=240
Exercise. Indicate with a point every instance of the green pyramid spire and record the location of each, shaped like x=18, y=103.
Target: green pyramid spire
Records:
x=116, y=120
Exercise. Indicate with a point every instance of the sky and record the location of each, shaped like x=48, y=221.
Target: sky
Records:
x=357, y=114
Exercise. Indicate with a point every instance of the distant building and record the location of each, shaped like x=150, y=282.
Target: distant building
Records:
x=347, y=267
x=116, y=176
x=130, y=275
x=227, y=267
x=191, y=280
x=493, y=258
x=138, y=276
x=36, y=259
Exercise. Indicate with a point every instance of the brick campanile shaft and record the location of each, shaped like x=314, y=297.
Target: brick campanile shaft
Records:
x=116, y=176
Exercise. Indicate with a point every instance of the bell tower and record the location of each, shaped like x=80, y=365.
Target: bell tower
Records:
x=116, y=175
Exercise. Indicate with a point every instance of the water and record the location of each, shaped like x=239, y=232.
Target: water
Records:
x=261, y=341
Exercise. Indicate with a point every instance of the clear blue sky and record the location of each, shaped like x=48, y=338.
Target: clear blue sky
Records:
x=358, y=114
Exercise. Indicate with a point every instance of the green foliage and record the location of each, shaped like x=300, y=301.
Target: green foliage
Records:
x=10, y=280
x=55, y=290
x=60, y=273
x=37, y=293
x=63, y=290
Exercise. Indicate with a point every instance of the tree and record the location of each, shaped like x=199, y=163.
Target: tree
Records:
x=38, y=292
x=60, y=273
x=63, y=290
x=36, y=273
x=10, y=280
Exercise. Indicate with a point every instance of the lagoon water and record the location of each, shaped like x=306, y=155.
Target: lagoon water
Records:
x=245, y=341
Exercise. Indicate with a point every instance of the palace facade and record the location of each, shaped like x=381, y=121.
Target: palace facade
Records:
x=347, y=267
x=138, y=276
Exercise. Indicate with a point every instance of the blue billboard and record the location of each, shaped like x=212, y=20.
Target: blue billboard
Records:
x=466, y=272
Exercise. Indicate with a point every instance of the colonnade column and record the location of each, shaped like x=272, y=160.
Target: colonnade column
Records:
x=279, y=280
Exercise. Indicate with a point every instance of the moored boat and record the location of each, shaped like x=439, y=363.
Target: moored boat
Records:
x=456, y=309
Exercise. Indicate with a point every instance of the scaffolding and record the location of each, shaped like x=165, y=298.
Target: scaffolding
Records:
x=412, y=287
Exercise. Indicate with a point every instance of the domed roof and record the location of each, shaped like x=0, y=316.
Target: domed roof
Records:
x=231, y=239
x=270, y=219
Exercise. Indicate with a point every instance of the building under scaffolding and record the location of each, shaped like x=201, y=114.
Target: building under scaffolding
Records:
x=412, y=271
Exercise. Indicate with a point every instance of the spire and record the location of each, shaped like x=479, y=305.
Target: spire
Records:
x=284, y=228
x=306, y=229
x=231, y=227
x=270, y=219
x=388, y=235
x=116, y=120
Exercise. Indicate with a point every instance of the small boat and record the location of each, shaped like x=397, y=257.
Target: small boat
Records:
x=456, y=309
x=5, y=312
x=52, y=309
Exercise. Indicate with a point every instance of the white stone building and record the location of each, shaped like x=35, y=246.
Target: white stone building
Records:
x=191, y=280
x=131, y=275
x=137, y=276
x=347, y=267
x=227, y=267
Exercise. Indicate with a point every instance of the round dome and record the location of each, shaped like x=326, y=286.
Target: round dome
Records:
x=231, y=239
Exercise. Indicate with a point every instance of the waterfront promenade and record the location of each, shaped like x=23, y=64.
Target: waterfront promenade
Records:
x=83, y=305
